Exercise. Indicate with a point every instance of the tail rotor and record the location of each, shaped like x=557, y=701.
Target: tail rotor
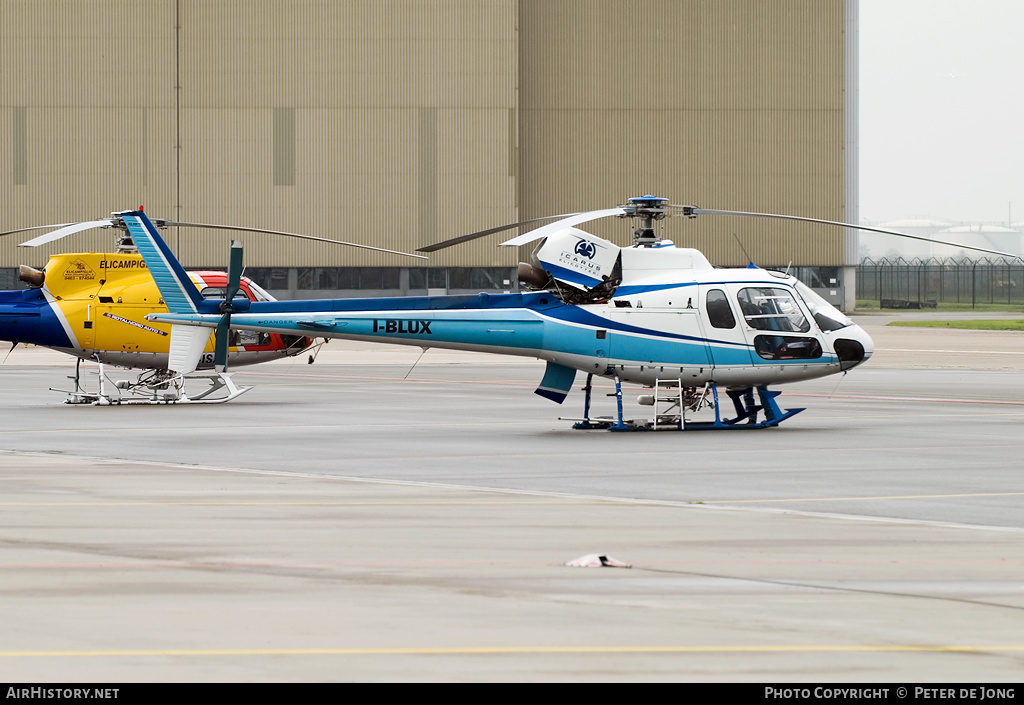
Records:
x=220, y=351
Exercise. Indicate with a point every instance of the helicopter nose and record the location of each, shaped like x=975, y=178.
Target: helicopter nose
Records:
x=854, y=347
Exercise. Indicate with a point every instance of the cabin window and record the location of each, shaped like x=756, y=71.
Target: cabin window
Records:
x=248, y=338
x=217, y=292
x=258, y=293
x=825, y=315
x=719, y=310
x=771, y=308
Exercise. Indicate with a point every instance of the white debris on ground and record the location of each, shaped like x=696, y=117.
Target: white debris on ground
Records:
x=595, y=560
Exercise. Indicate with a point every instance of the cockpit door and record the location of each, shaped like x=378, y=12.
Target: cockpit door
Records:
x=724, y=327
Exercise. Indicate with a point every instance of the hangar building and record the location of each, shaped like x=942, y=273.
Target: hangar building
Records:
x=400, y=123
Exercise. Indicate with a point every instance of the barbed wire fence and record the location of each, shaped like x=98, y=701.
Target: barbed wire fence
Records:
x=923, y=283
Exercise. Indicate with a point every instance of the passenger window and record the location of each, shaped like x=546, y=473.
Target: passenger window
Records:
x=719, y=310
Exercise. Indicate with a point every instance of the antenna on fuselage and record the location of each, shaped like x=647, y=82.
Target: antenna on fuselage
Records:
x=743, y=249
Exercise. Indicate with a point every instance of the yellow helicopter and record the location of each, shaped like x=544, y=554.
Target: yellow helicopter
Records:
x=93, y=306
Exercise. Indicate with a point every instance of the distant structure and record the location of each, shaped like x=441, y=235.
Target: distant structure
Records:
x=877, y=245
x=988, y=236
x=994, y=237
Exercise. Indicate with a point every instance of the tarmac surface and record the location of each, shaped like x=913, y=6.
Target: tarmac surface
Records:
x=374, y=517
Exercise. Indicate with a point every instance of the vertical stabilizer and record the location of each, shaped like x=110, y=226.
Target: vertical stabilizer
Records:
x=557, y=382
x=176, y=289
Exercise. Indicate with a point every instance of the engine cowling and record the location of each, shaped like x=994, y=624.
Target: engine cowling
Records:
x=577, y=258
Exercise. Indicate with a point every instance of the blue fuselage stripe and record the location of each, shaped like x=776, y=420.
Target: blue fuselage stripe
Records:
x=26, y=317
x=527, y=324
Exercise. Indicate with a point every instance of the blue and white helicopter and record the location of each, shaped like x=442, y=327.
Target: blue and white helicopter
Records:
x=651, y=314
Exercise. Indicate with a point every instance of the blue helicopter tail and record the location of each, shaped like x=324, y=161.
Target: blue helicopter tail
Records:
x=176, y=288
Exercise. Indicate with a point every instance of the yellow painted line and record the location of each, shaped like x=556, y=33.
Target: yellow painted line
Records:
x=308, y=504
x=824, y=648
x=854, y=499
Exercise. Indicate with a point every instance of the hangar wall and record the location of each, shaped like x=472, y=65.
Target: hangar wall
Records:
x=401, y=122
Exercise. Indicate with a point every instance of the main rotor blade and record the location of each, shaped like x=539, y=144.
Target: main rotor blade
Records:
x=708, y=211
x=574, y=219
x=175, y=224
x=35, y=227
x=65, y=231
x=482, y=233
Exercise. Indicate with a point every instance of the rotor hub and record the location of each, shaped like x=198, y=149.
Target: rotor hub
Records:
x=650, y=207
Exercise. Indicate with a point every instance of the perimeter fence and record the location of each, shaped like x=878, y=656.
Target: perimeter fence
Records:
x=924, y=283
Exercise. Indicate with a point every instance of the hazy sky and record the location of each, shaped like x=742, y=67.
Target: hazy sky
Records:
x=942, y=110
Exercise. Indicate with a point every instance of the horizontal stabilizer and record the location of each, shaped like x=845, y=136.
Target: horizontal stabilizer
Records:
x=557, y=382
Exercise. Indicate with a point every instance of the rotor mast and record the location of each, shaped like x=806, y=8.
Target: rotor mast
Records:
x=649, y=208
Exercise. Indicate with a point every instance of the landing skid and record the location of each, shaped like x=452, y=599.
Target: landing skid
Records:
x=746, y=412
x=678, y=403
x=155, y=387
x=222, y=381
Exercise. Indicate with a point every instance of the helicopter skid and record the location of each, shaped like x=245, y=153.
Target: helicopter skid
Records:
x=221, y=382
x=734, y=425
x=747, y=413
x=168, y=392
x=605, y=423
